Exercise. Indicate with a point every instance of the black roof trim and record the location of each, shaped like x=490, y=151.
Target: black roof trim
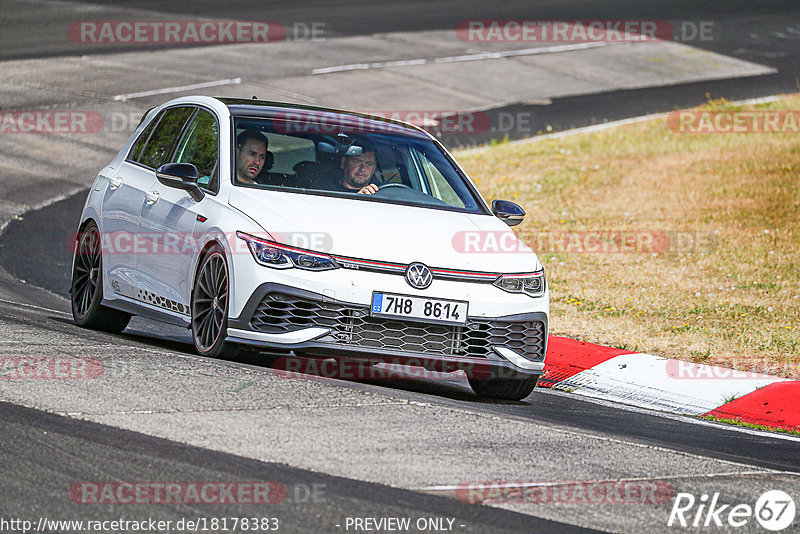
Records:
x=242, y=107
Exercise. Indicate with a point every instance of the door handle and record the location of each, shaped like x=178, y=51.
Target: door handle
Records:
x=114, y=182
x=151, y=197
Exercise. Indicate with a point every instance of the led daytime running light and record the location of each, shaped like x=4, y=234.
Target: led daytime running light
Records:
x=279, y=256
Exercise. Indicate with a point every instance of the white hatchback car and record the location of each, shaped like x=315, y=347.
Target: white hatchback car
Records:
x=310, y=232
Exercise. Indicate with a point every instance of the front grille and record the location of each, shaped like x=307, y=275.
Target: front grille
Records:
x=353, y=326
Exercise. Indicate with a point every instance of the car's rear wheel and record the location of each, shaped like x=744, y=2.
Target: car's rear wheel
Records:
x=86, y=290
x=210, y=306
x=516, y=388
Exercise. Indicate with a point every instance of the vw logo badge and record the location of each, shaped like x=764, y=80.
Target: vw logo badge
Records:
x=419, y=276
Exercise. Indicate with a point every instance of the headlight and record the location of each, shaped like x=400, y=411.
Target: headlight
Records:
x=279, y=256
x=531, y=284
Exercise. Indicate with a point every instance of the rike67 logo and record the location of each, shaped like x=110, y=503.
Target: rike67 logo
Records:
x=774, y=510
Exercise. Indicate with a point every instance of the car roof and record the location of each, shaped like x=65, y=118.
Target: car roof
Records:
x=241, y=107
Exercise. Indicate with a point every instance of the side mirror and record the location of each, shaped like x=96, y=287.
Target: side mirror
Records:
x=181, y=176
x=508, y=212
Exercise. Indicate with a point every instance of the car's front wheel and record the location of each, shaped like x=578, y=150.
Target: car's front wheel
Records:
x=516, y=388
x=86, y=289
x=210, y=306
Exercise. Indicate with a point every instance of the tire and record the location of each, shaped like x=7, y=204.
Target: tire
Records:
x=86, y=288
x=504, y=388
x=210, y=307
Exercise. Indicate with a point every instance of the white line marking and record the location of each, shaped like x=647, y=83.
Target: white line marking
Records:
x=457, y=59
x=178, y=89
x=328, y=70
x=33, y=306
x=450, y=488
x=748, y=51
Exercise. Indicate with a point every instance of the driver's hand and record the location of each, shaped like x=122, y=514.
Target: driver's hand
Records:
x=368, y=189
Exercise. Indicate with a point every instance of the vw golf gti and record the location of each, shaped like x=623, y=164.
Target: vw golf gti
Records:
x=310, y=232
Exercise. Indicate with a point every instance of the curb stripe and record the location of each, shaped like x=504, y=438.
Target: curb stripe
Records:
x=777, y=405
x=567, y=357
x=646, y=380
x=670, y=385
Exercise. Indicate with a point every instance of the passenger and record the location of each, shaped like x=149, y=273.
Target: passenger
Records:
x=357, y=172
x=251, y=152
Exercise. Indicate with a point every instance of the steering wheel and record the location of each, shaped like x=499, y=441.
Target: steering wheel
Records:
x=393, y=184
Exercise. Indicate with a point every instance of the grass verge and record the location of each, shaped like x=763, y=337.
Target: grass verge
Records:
x=745, y=424
x=678, y=244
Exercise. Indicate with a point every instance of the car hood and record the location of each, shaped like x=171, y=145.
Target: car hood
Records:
x=386, y=232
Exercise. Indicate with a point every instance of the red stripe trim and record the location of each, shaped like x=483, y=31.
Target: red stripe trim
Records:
x=476, y=274
x=467, y=273
x=382, y=264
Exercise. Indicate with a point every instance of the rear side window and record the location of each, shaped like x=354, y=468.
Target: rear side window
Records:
x=157, y=142
x=289, y=151
x=200, y=147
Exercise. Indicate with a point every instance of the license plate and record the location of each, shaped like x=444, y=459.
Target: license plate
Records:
x=419, y=308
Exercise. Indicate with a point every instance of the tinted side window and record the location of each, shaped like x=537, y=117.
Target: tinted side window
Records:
x=200, y=146
x=136, y=151
x=163, y=138
x=289, y=151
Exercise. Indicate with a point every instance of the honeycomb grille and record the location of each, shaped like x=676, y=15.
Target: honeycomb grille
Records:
x=353, y=326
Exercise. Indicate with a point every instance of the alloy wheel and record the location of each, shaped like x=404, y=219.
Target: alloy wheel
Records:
x=210, y=302
x=87, y=271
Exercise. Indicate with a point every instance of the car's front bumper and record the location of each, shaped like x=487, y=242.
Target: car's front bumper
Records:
x=278, y=316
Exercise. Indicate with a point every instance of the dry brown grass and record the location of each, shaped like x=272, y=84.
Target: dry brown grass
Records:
x=725, y=292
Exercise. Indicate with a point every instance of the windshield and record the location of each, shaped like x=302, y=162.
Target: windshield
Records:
x=387, y=166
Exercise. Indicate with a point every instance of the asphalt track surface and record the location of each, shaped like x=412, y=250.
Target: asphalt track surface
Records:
x=31, y=441
x=46, y=264
x=44, y=453
x=765, y=32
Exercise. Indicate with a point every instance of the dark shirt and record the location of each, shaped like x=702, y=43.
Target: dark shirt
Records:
x=332, y=183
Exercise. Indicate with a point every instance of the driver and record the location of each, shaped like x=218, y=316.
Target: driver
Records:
x=357, y=173
x=251, y=153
